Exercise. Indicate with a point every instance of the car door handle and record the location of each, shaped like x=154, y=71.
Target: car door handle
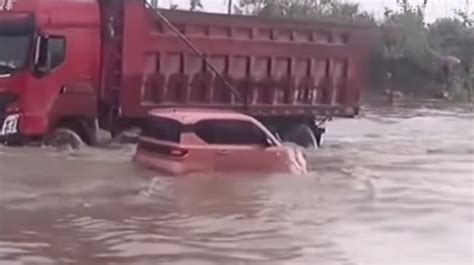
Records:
x=224, y=152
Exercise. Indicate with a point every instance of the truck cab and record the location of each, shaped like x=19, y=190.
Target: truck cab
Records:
x=49, y=65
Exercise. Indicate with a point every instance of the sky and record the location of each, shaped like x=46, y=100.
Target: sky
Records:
x=435, y=8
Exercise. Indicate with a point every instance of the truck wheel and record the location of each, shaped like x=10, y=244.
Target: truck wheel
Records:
x=63, y=137
x=318, y=134
x=14, y=140
x=301, y=135
x=130, y=136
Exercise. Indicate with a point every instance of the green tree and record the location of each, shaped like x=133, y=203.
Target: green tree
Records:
x=410, y=51
x=455, y=37
x=415, y=52
x=332, y=10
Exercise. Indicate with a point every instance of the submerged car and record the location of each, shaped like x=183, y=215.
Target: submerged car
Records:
x=183, y=141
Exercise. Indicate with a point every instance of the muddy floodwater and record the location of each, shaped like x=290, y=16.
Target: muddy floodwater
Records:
x=394, y=186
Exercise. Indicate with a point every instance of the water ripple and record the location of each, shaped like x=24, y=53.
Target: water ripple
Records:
x=393, y=186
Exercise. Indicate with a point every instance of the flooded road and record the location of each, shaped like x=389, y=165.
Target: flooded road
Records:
x=391, y=187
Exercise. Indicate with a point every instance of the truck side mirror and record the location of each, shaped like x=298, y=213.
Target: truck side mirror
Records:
x=42, y=62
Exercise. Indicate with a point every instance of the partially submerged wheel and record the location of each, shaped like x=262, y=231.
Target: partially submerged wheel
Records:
x=130, y=136
x=318, y=134
x=63, y=138
x=301, y=135
x=13, y=140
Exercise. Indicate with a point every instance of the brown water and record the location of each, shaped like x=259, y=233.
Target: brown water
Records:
x=392, y=187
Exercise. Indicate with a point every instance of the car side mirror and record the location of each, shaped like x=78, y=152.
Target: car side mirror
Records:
x=42, y=59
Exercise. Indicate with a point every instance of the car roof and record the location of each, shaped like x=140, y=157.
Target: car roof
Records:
x=190, y=116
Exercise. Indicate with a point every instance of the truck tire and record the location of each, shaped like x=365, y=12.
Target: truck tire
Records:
x=89, y=132
x=14, y=140
x=63, y=137
x=301, y=135
x=130, y=136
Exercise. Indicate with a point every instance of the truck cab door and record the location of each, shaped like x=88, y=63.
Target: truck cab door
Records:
x=62, y=86
x=43, y=87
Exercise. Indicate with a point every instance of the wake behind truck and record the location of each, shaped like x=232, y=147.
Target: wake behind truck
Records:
x=90, y=64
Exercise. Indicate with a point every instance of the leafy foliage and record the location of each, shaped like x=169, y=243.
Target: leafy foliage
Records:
x=333, y=10
x=423, y=50
x=194, y=4
x=410, y=51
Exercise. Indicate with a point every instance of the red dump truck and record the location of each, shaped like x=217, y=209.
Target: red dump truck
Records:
x=90, y=64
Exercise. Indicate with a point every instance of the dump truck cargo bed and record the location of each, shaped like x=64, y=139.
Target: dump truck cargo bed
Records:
x=279, y=67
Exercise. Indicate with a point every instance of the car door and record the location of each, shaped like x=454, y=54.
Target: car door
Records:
x=240, y=145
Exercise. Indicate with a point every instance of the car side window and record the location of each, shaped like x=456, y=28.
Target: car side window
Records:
x=230, y=132
x=163, y=129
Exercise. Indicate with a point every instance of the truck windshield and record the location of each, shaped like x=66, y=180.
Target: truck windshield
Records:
x=13, y=52
x=16, y=34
